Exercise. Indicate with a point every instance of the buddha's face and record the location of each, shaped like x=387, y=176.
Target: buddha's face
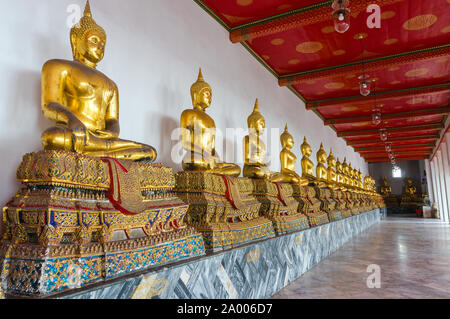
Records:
x=259, y=125
x=332, y=162
x=91, y=47
x=288, y=142
x=322, y=157
x=306, y=150
x=203, y=98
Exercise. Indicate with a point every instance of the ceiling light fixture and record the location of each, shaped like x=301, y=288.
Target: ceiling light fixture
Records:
x=376, y=116
x=364, y=83
x=341, y=15
x=383, y=135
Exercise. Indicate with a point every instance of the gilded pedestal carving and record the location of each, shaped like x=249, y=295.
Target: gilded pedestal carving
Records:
x=310, y=205
x=62, y=230
x=279, y=206
x=223, y=209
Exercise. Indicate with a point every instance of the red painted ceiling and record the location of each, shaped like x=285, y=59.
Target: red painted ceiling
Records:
x=407, y=59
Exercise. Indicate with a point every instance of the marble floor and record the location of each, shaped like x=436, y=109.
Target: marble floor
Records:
x=413, y=255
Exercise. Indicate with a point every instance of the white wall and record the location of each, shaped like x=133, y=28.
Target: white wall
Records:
x=153, y=53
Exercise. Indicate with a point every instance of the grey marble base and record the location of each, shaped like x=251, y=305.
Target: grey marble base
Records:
x=383, y=212
x=257, y=270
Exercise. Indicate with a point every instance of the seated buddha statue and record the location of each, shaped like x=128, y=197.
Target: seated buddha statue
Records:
x=307, y=164
x=198, y=134
x=355, y=178
x=331, y=171
x=254, y=147
x=350, y=175
x=359, y=180
x=287, y=159
x=345, y=173
x=340, y=174
x=385, y=190
x=410, y=189
x=83, y=102
x=321, y=170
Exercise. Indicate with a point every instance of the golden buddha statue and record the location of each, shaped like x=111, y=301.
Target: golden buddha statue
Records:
x=287, y=159
x=254, y=147
x=359, y=180
x=410, y=189
x=307, y=164
x=331, y=172
x=355, y=178
x=198, y=134
x=350, y=175
x=321, y=170
x=385, y=190
x=83, y=102
x=340, y=173
x=345, y=172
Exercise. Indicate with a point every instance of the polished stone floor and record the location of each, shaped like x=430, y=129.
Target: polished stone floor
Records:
x=413, y=255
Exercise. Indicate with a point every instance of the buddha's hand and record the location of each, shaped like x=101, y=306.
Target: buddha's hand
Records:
x=104, y=134
x=80, y=135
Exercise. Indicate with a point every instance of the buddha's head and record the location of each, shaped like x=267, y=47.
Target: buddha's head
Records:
x=286, y=139
x=88, y=39
x=385, y=182
x=409, y=180
x=331, y=160
x=338, y=166
x=305, y=148
x=321, y=155
x=201, y=92
x=256, y=121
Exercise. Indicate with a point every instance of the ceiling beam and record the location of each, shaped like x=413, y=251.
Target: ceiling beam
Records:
x=371, y=65
x=294, y=19
x=419, y=158
x=437, y=88
x=393, y=139
x=390, y=116
x=399, y=129
x=358, y=149
x=397, y=154
x=396, y=151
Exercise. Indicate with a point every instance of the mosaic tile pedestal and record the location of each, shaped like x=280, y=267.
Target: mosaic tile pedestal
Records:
x=257, y=270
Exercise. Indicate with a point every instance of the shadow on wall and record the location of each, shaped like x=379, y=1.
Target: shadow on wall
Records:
x=23, y=111
x=167, y=144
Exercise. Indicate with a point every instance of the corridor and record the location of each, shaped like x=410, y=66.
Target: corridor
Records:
x=413, y=256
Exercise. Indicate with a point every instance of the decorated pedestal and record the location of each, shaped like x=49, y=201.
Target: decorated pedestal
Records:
x=362, y=202
x=328, y=203
x=222, y=209
x=309, y=205
x=411, y=200
x=379, y=201
x=342, y=205
x=390, y=200
x=278, y=205
x=352, y=203
x=81, y=220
